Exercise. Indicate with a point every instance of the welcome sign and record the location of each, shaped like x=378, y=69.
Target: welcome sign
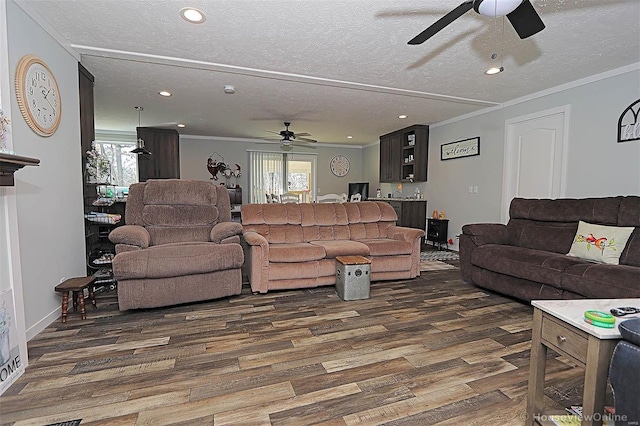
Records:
x=629, y=124
x=463, y=148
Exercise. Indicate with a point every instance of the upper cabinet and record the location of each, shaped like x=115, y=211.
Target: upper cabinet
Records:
x=404, y=155
x=164, y=161
x=390, y=157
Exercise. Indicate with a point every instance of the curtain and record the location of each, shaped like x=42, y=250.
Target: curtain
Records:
x=266, y=171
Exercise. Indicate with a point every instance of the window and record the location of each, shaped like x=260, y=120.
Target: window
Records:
x=124, y=164
x=267, y=171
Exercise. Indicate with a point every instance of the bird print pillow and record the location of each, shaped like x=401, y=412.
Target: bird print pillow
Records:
x=599, y=243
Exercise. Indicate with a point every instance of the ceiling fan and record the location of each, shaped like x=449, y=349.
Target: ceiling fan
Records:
x=288, y=138
x=523, y=17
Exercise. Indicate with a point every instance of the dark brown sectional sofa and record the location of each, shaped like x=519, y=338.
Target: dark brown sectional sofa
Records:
x=527, y=257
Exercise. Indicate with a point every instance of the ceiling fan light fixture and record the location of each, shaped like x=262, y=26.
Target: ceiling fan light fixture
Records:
x=495, y=8
x=193, y=15
x=494, y=70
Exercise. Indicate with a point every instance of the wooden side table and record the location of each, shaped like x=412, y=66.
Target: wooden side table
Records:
x=76, y=286
x=560, y=325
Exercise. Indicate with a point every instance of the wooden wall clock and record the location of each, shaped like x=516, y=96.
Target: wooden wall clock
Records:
x=38, y=95
x=340, y=165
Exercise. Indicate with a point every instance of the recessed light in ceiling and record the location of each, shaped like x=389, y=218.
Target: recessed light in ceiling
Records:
x=164, y=93
x=349, y=137
x=229, y=89
x=193, y=15
x=182, y=125
x=494, y=70
x=402, y=116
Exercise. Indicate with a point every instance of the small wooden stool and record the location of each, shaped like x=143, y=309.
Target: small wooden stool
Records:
x=77, y=286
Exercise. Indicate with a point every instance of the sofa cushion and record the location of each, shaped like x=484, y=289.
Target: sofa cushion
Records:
x=595, y=210
x=174, y=260
x=629, y=215
x=323, y=214
x=334, y=248
x=555, y=237
x=293, y=271
x=295, y=252
x=387, y=247
x=384, y=264
x=534, y=265
x=330, y=232
x=593, y=280
x=599, y=243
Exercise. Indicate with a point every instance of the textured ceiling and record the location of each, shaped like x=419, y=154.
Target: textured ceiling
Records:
x=333, y=68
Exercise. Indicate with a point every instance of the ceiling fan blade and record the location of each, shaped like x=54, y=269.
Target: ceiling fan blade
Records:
x=442, y=22
x=525, y=20
x=303, y=134
x=306, y=140
x=275, y=133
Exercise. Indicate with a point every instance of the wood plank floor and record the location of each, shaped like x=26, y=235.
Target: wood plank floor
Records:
x=422, y=352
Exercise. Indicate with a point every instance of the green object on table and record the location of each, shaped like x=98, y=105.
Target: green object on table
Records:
x=600, y=319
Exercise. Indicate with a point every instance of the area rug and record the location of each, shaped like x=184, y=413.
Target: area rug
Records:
x=434, y=265
x=431, y=255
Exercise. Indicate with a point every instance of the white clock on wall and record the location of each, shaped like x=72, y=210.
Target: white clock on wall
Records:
x=340, y=165
x=38, y=95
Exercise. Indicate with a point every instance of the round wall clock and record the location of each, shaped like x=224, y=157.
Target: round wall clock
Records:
x=340, y=165
x=38, y=95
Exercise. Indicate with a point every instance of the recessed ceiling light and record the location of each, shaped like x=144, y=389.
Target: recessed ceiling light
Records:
x=349, y=137
x=182, y=125
x=164, y=93
x=229, y=89
x=494, y=70
x=402, y=116
x=193, y=15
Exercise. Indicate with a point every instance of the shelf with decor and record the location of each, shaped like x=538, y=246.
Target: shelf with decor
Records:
x=11, y=163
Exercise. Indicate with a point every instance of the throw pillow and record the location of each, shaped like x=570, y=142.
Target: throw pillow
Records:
x=599, y=243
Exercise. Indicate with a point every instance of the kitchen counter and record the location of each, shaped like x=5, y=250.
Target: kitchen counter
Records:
x=394, y=199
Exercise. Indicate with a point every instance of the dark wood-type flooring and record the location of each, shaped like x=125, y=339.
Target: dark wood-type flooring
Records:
x=422, y=352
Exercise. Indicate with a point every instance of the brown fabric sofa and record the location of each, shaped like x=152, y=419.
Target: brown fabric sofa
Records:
x=527, y=257
x=178, y=245
x=295, y=245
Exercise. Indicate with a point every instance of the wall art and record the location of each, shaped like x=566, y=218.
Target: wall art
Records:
x=629, y=123
x=462, y=148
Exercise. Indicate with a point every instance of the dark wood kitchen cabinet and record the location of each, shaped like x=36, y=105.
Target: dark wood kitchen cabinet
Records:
x=164, y=161
x=411, y=214
x=404, y=155
x=390, y=157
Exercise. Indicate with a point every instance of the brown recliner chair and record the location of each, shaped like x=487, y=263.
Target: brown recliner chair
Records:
x=178, y=245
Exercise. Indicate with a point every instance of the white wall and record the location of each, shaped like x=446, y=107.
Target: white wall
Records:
x=194, y=152
x=597, y=165
x=49, y=197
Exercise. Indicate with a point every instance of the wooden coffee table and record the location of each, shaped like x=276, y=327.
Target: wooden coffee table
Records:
x=560, y=325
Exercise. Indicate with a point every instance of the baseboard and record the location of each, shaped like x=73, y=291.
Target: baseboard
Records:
x=43, y=323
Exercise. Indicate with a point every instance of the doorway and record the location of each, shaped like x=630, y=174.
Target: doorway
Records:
x=535, y=156
x=272, y=174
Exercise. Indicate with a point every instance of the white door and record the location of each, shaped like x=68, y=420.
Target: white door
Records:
x=535, y=157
